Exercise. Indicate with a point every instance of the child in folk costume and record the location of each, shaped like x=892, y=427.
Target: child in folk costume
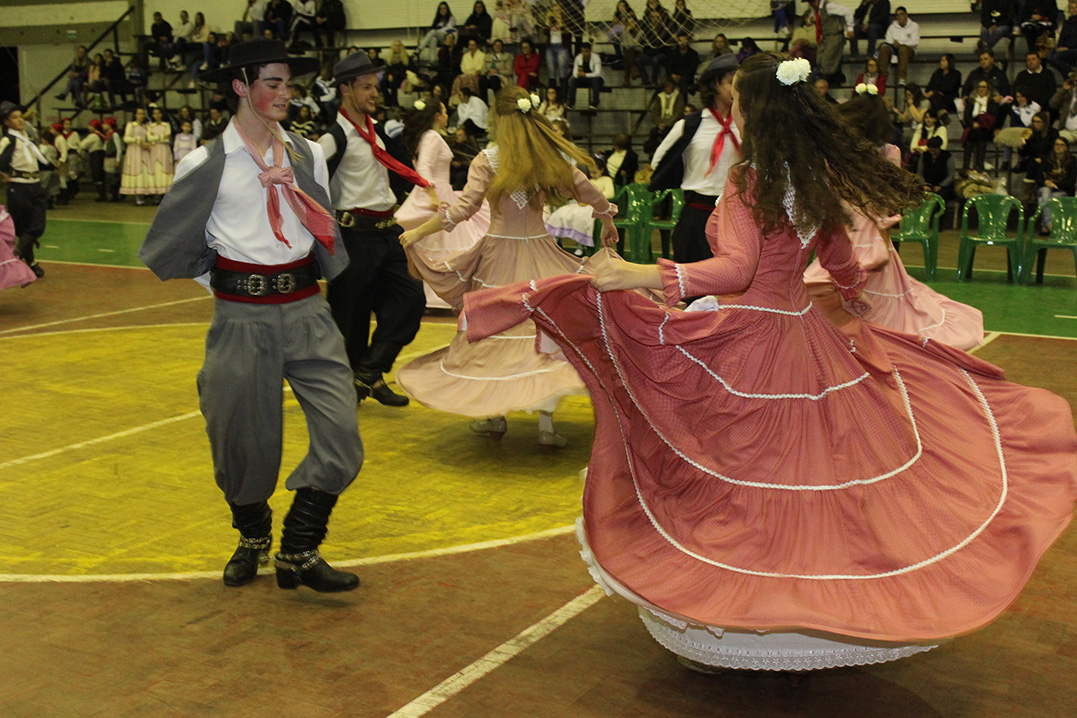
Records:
x=772, y=491
x=92, y=146
x=159, y=137
x=137, y=179
x=186, y=141
x=433, y=160
x=113, y=159
x=897, y=300
x=504, y=373
x=248, y=214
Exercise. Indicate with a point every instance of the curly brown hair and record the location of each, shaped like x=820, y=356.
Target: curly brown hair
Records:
x=793, y=137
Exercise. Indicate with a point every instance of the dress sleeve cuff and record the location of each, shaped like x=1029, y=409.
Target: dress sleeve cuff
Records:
x=447, y=225
x=852, y=291
x=674, y=284
x=611, y=212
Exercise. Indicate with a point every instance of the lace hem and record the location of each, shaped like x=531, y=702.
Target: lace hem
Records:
x=447, y=225
x=610, y=212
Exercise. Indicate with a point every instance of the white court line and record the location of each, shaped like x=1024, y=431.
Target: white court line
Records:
x=1064, y=316
x=991, y=336
x=107, y=251
x=92, y=330
x=500, y=655
x=97, y=221
x=370, y=561
x=105, y=314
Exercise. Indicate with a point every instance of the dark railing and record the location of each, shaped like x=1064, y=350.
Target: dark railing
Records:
x=114, y=29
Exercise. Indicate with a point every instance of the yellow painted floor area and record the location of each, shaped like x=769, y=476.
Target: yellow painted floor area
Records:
x=106, y=467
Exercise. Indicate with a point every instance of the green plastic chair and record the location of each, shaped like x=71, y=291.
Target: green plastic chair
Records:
x=921, y=225
x=1063, y=236
x=665, y=226
x=993, y=211
x=634, y=204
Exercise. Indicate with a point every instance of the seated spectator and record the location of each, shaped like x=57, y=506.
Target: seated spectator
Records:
x=161, y=42
x=1056, y=176
x=304, y=125
x=1064, y=54
x=655, y=45
x=328, y=21
x=1020, y=115
x=1037, y=18
x=929, y=128
x=1039, y=83
x=303, y=21
x=944, y=87
x=526, y=66
x=981, y=113
x=990, y=72
x=1037, y=145
x=472, y=64
x=77, y=72
x=912, y=110
x=478, y=26
x=278, y=18
x=621, y=15
x=300, y=99
x=822, y=86
x=901, y=40
x=936, y=169
x=720, y=44
x=682, y=64
x=996, y=21
x=552, y=108
x=803, y=43
x=472, y=111
x=621, y=160
x=464, y=149
x=448, y=65
x=396, y=71
x=250, y=24
x=498, y=70
x=558, y=57
x=115, y=78
x=667, y=106
x=681, y=21
x=631, y=46
x=748, y=47
x=586, y=72
x=324, y=92
x=192, y=50
x=872, y=76
x=444, y=24
x=1065, y=103
x=871, y=18
x=94, y=88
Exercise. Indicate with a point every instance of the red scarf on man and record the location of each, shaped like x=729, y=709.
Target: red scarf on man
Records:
x=381, y=154
x=719, y=141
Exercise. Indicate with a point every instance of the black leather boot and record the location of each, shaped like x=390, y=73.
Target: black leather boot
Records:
x=298, y=561
x=255, y=524
x=377, y=389
x=369, y=379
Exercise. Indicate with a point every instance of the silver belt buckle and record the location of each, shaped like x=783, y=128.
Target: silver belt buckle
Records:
x=346, y=219
x=285, y=283
x=257, y=285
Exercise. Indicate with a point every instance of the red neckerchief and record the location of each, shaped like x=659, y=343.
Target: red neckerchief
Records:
x=719, y=141
x=381, y=155
x=818, y=26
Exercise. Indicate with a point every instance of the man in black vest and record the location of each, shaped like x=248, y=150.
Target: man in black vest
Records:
x=370, y=173
x=248, y=216
x=21, y=163
x=696, y=155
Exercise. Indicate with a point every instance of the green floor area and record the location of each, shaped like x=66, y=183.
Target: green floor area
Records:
x=1048, y=309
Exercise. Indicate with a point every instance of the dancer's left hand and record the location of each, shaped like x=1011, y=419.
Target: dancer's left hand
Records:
x=860, y=306
x=609, y=233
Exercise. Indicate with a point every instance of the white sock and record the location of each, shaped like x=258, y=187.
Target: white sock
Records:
x=546, y=421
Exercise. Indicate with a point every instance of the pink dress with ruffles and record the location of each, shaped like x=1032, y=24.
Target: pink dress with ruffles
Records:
x=433, y=162
x=756, y=468
x=13, y=271
x=897, y=300
x=503, y=372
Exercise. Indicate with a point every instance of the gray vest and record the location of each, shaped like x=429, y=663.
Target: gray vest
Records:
x=175, y=247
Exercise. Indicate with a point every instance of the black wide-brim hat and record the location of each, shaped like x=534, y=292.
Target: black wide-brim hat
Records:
x=7, y=107
x=353, y=66
x=256, y=52
x=718, y=68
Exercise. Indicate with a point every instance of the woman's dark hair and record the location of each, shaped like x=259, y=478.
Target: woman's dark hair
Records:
x=622, y=142
x=868, y=113
x=417, y=123
x=949, y=61
x=437, y=13
x=1045, y=118
x=794, y=139
x=917, y=93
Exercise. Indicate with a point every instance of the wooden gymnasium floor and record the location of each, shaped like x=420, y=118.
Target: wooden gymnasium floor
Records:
x=474, y=600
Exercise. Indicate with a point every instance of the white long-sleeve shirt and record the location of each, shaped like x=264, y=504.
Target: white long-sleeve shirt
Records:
x=908, y=35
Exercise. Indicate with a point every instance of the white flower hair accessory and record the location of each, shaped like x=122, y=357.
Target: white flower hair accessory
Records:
x=419, y=105
x=865, y=87
x=535, y=100
x=790, y=72
x=523, y=105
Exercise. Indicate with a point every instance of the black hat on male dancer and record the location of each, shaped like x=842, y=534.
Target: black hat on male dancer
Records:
x=371, y=173
x=696, y=155
x=248, y=215
x=21, y=162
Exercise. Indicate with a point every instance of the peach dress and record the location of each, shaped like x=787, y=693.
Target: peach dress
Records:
x=503, y=371
x=778, y=493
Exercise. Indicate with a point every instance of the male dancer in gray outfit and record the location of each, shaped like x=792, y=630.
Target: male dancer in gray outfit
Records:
x=248, y=213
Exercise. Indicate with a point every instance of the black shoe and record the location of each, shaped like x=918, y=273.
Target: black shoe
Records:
x=242, y=568
x=37, y=270
x=380, y=391
x=310, y=569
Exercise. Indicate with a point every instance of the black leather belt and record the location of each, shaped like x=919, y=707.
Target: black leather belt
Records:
x=351, y=220
x=19, y=174
x=247, y=284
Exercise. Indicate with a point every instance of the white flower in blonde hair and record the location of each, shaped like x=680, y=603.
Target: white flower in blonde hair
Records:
x=419, y=105
x=790, y=72
x=523, y=105
x=865, y=87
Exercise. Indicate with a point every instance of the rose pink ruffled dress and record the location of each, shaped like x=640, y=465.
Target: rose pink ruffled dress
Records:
x=778, y=493
x=503, y=372
x=897, y=300
x=13, y=271
x=433, y=162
